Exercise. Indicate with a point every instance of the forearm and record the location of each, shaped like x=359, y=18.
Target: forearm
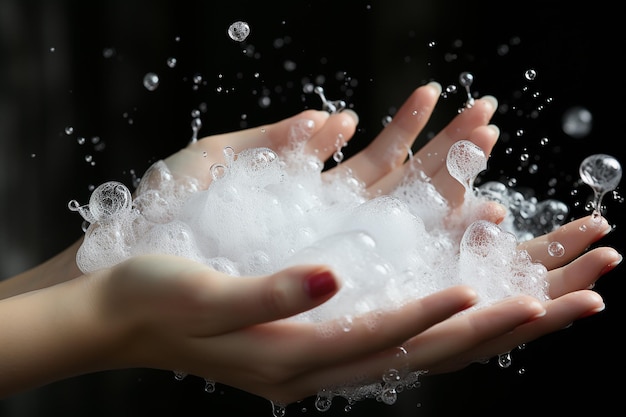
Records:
x=60, y=268
x=53, y=333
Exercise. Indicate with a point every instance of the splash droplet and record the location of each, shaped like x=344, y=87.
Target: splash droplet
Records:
x=602, y=173
x=577, y=122
x=151, y=81
x=465, y=161
x=239, y=31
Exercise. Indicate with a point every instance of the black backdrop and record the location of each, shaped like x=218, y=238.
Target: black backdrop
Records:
x=81, y=64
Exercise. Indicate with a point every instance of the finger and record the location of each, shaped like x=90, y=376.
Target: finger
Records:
x=306, y=346
x=432, y=155
x=299, y=127
x=195, y=159
x=571, y=239
x=582, y=272
x=443, y=340
x=333, y=136
x=391, y=147
x=560, y=313
x=246, y=301
x=431, y=159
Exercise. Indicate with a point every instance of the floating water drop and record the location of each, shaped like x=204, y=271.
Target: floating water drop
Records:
x=330, y=106
x=196, y=124
x=209, y=385
x=504, y=360
x=239, y=31
x=151, y=81
x=602, y=173
x=577, y=122
x=465, y=161
x=530, y=74
x=179, y=375
x=466, y=80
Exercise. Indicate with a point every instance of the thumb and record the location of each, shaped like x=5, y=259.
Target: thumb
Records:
x=258, y=299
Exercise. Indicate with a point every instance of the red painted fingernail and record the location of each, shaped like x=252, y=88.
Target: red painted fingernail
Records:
x=320, y=284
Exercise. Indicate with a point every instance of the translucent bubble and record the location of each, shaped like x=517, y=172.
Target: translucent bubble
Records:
x=109, y=199
x=239, y=31
x=465, y=161
x=556, y=249
x=389, y=396
x=151, y=81
x=530, y=74
x=602, y=173
x=323, y=401
x=209, y=385
x=171, y=62
x=577, y=122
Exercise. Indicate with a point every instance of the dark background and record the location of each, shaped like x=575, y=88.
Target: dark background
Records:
x=81, y=64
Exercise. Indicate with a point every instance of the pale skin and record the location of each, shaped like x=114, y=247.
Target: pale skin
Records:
x=170, y=313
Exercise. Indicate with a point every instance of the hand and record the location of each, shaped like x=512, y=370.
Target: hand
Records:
x=381, y=166
x=477, y=335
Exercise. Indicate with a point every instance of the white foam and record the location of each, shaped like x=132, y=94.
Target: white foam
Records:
x=263, y=213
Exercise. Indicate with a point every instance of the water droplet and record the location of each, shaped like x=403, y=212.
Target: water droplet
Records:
x=466, y=80
x=196, y=124
x=577, y=122
x=171, y=62
x=209, y=385
x=556, y=249
x=108, y=53
x=330, y=106
x=239, y=31
x=151, y=81
x=602, y=173
x=179, y=376
x=217, y=171
x=504, y=360
x=530, y=74
x=323, y=401
x=69, y=130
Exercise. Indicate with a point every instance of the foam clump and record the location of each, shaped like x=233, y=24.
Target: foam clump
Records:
x=264, y=212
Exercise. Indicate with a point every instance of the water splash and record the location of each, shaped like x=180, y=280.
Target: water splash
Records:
x=334, y=106
x=466, y=79
x=602, y=173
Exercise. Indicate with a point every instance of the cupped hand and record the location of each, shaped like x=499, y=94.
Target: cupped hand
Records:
x=175, y=314
x=286, y=361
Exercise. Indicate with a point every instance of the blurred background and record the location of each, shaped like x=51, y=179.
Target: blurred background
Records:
x=74, y=112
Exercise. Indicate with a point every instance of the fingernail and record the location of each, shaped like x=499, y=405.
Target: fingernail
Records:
x=612, y=265
x=352, y=114
x=436, y=86
x=495, y=129
x=492, y=100
x=320, y=283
